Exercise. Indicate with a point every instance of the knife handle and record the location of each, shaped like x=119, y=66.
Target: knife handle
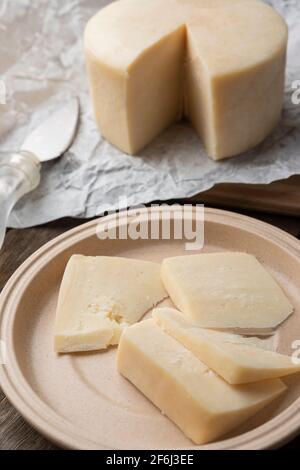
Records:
x=19, y=174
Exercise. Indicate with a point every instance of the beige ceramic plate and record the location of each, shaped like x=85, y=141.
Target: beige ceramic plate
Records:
x=80, y=401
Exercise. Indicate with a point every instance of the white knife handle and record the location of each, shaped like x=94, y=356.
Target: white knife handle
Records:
x=19, y=174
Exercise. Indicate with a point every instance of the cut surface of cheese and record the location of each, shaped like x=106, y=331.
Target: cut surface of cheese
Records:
x=237, y=363
x=221, y=63
x=226, y=291
x=201, y=403
x=99, y=297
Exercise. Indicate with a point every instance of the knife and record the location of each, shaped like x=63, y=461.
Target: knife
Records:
x=20, y=172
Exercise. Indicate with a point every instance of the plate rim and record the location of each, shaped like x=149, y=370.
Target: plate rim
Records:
x=271, y=434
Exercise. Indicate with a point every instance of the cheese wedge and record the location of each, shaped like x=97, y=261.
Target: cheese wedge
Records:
x=237, y=363
x=226, y=291
x=99, y=297
x=202, y=404
x=220, y=63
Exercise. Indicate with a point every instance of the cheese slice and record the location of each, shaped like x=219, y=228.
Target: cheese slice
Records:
x=226, y=291
x=220, y=63
x=202, y=404
x=99, y=297
x=237, y=363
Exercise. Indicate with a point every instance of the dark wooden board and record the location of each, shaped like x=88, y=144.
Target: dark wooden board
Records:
x=281, y=197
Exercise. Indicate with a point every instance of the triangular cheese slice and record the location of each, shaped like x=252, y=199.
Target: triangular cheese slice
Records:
x=200, y=402
x=237, y=363
x=230, y=291
x=99, y=297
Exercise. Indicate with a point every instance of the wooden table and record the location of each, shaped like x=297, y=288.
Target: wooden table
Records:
x=15, y=433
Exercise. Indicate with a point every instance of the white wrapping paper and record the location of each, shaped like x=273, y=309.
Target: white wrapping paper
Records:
x=42, y=65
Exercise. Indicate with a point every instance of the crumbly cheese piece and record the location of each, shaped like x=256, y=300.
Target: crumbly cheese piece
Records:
x=99, y=297
x=221, y=63
x=226, y=291
x=202, y=404
x=237, y=363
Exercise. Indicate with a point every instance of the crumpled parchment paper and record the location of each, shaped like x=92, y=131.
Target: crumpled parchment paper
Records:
x=42, y=65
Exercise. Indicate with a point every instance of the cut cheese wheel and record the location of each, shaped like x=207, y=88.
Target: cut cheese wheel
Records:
x=202, y=404
x=237, y=363
x=221, y=63
x=226, y=291
x=99, y=297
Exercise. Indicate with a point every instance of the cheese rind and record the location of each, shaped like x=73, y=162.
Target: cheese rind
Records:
x=226, y=291
x=202, y=404
x=227, y=58
x=237, y=363
x=99, y=297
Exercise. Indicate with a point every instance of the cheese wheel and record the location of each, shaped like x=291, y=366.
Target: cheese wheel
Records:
x=220, y=63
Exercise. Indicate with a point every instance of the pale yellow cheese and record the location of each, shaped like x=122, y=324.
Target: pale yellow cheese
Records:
x=99, y=297
x=202, y=404
x=221, y=63
x=226, y=291
x=237, y=363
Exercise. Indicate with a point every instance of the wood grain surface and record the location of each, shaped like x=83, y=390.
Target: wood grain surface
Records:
x=279, y=197
x=15, y=433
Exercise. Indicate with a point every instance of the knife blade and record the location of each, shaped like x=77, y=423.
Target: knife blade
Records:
x=20, y=171
x=54, y=136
